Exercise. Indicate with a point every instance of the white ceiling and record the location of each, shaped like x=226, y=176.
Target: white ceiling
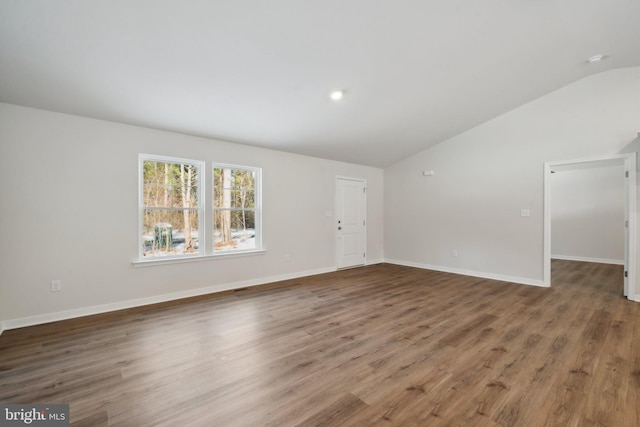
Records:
x=416, y=72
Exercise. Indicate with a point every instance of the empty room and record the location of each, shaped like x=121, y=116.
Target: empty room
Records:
x=305, y=213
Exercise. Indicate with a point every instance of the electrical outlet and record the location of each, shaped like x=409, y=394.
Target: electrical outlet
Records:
x=287, y=258
x=56, y=285
x=454, y=253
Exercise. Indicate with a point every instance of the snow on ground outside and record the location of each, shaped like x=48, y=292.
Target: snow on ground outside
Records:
x=243, y=239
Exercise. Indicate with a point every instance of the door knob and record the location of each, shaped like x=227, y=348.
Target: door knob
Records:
x=339, y=228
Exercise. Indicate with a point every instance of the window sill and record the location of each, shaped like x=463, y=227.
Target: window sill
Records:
x=198, y=258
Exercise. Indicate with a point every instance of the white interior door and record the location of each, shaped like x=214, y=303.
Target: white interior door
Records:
x=351, y=226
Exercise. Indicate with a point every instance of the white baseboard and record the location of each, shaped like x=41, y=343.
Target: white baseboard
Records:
x=105, y=308
x=585, y=259
x=492, y=276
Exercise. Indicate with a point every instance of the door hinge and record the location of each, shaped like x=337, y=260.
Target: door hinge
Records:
x=364, y=222
x=364, y=255
x=626, y=224
x=364, y=189
x=626, y=174
x=626, y=274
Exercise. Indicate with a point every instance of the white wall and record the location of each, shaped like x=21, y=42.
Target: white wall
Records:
x=68, y=211
x=485, y=176
x=587, y=214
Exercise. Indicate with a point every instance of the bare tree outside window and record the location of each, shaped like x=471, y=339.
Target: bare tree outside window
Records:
x=234, y=196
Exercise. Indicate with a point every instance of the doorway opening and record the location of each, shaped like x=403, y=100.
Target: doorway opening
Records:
x=589, y=214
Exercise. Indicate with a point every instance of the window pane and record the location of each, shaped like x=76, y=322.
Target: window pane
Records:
x=158, y=195
x=234, y=230
x=235, y=199
x=169, y=232
x=244, y=199
x=170, y=184
x=233, y=188
x=234, y=203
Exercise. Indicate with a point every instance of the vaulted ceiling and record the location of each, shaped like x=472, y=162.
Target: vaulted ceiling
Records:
x=414, y=72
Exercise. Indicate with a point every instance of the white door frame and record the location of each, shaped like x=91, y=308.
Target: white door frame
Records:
x=336, y=201
x=630, y=214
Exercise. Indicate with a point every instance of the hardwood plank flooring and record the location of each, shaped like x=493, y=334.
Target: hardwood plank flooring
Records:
x=382, y=345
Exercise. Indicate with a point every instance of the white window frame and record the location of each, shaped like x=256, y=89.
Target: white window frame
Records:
x=257, y=208
x=202, y=238
x=205, y=212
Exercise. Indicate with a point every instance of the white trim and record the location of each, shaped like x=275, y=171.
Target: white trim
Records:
x=630, y=166
x=546, y=232
x=492, y=276
x=375, y=261
x=585, y=259
x=105, y=308
x=350, y=178
x=632, y=194
x=179, y=260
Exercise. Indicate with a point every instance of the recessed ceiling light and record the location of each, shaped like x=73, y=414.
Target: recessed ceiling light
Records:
x=595, y=58
x=336, y=95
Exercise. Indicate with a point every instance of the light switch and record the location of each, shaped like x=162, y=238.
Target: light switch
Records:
x=524, y=212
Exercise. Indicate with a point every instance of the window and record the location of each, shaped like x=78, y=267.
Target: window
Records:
x=170, y=207
x=236, y=214
x=176, y=223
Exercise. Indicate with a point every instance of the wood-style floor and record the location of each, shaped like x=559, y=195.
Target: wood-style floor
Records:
x=382, y=345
